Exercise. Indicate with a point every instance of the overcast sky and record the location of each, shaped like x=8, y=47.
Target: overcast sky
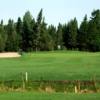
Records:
x=55, y=11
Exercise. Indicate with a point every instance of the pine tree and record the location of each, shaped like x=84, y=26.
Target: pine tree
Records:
x=65, y=35
x=59, y=37
x=27, y=32
x=12, y=37
x=82, y=34
x=43, y=36
x=71, y=34
x=37, y=30
x=94, y=31
x=19, y=30
x=2, y=37
x=52, y=33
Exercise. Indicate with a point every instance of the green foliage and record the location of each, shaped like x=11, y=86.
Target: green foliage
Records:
x=26, y=33
x=60, y=36
x=44, y=37
x=12, y=37
x=82, y=34
x=2, y=37
x=71, y=34
x=19, y=30
x=37, y=31
x=52, y=34
x=94, y=32
x=36, y=35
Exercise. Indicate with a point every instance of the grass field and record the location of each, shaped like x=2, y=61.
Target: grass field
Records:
x=58, y=65
x=65, y=65
x=46, y=96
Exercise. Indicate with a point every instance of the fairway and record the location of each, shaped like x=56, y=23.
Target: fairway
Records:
x=49, y=50
x=58, y=65
x=46, y=96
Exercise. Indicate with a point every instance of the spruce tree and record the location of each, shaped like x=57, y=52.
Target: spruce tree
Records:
x=26, y=33
x=59, y=37
x=19, y=30
x=94, y=31
x=12, y=37
x=53, y=33
x=3, y=37
x=71, y=34
x=37, y=31
x=82, y=34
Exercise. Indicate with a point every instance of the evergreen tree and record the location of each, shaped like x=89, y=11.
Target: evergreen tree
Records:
x=43, y=36
x=27, y=32
x=31, y=34
x=59, y=37
x=2, y=37
x=71, y=34
x=19, y=30
x=37, y=30
x=65, y=35
x=82, y=34
x=52, y=33
x=94, y=32
x=12, y=37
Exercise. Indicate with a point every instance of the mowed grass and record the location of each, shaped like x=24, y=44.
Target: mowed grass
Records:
x=46, y=96
x=57, y=65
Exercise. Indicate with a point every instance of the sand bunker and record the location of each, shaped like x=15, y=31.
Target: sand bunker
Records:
x=9, y=55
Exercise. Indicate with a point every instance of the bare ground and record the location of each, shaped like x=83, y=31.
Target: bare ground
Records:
x=9, y=55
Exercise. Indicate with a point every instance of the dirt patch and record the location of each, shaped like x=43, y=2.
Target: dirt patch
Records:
x=9, y=55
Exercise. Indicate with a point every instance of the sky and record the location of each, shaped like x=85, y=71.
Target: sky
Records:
x=54, y=11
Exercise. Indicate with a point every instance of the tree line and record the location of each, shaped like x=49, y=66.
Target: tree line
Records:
x=30, y=34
